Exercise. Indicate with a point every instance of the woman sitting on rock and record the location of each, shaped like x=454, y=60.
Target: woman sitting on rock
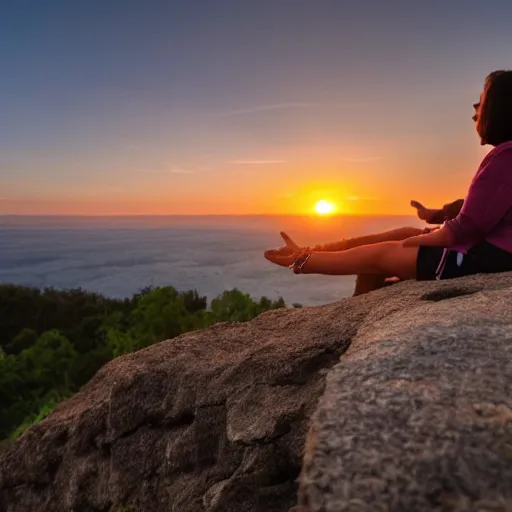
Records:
x=477, y=240
x=368, y=282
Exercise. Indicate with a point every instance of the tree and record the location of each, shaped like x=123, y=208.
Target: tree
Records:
x=49, y=361
x=193, y=301
x=237, y=306
x=53, y=341
x=28, y=380
x=160, y=314
x=23, y=340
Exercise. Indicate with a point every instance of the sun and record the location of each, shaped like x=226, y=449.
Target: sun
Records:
x=324, y=207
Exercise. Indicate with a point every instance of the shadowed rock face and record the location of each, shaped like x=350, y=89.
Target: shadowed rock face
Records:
x=214, y=420
x=415, y=414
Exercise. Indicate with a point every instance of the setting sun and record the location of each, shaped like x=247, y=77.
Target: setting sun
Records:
x=324, y=207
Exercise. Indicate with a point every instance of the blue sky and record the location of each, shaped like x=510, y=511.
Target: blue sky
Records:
x=241, y=106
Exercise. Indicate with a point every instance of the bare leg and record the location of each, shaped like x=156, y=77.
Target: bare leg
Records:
x=366, y=283
x=386, y=236
x=386, y=258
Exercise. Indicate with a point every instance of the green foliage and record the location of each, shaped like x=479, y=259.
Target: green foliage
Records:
x=24, y=339
x=44, y=410
x=38, y=376
x=52, y=342
x=237, y=306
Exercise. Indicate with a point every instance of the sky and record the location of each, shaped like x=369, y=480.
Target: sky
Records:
x=124, y=107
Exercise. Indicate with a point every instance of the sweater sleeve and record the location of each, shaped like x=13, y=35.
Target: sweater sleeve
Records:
x=489, y=198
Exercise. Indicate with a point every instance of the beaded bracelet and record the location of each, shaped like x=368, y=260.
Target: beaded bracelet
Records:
x=301, y=260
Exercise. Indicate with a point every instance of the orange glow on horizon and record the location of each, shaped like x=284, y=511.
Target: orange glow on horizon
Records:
x=302, y=204
x=352, y=191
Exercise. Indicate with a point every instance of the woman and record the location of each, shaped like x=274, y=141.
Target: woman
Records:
x=478, y=239
x=368, y=282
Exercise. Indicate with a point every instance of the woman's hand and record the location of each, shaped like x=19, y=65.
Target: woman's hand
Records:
x=429, y=215
x=286, y=255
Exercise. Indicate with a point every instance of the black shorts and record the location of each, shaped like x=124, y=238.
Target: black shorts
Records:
x=438, y=263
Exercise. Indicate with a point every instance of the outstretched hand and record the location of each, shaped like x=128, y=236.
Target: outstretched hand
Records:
x=286, y=255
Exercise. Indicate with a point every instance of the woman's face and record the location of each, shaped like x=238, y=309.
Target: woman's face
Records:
x=476, y=117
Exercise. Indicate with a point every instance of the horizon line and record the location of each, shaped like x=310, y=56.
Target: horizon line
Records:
x=92, y=216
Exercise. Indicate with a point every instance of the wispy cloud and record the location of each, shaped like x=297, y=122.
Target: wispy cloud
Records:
x=359, y=159
x=362, y=198
x=179, y=170
x=256, y=162
x=296, y=105
x=264, y=108
x=114, y=188
x=166, y=169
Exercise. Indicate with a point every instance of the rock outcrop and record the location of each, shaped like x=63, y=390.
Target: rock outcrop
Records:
x=416, y=414
x=213, y=420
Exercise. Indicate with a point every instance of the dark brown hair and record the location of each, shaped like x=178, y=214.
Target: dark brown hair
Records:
x=495, y=114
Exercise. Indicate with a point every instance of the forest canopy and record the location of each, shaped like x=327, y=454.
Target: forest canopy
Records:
x=53, y=341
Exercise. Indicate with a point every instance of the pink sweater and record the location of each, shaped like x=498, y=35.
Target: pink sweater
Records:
x=487, y=210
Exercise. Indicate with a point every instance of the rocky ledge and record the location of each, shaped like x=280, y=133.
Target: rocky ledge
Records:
x=415, y=414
